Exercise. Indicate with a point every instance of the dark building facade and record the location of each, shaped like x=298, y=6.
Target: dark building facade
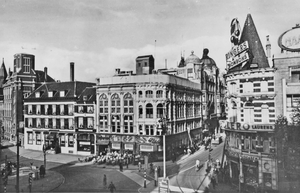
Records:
x=18, y=85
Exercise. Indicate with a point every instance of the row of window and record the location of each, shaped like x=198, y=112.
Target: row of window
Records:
x=149, y=94
x=37, y=139
x=56, y=109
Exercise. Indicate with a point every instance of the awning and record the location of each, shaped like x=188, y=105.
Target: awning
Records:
x=102, y=142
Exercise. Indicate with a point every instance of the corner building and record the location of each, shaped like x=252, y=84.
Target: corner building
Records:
x=131, y=107
x=287, y=81
x=250, y=146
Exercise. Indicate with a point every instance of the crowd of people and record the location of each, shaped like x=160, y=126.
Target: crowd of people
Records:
x=112, y=158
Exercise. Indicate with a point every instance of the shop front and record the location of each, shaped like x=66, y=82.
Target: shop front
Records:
x=129, y=144
x=85, y=144
x=148, y=146
x=102, y=144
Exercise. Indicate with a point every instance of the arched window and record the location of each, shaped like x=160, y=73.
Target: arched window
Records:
x=103, y=104
x=128, y=103
x=149, y=111
x=115, y=104
x=140, y=111
x=149, y=94
x=159, y=111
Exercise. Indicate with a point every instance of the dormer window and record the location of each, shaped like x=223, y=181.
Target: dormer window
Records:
x=37, y=95
x=62, y=93
x=50, y=93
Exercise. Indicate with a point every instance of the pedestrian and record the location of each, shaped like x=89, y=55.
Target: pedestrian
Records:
x=213, y=181
x=151, y=168
x=158, y=171
x=104, y=181
x=140, y=166
x=111, y=187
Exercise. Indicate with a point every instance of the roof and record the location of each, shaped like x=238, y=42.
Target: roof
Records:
x=3, y=74
x=40, y=76
x=145, y=56
x=88, y=95
x=71, y=90
x=256, y=51
x=206, y=60
x=192, y=59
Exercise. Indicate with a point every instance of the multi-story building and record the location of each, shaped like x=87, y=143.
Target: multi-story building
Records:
x=18, y=85
x=54, y=119
x=131, y=106
x=287, y=88
x=250, y=144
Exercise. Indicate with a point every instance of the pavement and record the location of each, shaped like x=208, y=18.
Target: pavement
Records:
x=54, y=179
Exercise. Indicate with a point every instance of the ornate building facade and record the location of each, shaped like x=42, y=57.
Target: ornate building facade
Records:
x=130, y=107
x=250, y=145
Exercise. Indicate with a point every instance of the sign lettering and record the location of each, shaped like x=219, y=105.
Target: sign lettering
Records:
x=237, y=50
x=290, y=40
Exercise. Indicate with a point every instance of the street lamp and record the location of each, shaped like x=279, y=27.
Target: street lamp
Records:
x=44, y=150
x=162, y=128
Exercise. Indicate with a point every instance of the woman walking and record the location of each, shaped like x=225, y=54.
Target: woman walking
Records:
x=104, y=181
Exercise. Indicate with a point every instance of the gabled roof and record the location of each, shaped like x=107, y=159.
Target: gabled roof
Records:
x=256, y=51
x=70, y=89
x=88, y=95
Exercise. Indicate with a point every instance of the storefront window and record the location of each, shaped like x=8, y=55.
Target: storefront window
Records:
x=70, y=140
x=38, y=138
x=62, y=140
x=30, y=137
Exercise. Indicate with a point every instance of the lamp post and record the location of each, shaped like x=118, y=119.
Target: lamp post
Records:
x=44, y=151
x=162, y=123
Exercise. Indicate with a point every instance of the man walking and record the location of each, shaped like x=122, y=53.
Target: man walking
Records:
x=111, y=187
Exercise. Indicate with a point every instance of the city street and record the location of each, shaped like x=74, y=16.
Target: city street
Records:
x=188, y=177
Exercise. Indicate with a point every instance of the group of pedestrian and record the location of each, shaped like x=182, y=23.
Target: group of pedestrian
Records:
x=111, y=187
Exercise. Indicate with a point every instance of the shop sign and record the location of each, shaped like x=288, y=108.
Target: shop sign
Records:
x=128, y=138
x=148, y=148
x=128, y=146
x=243, y=157
x=115, y=145
x=153, y=140
x=116, y=138
x=246, y=126
x=290, y=40
x=84, y=143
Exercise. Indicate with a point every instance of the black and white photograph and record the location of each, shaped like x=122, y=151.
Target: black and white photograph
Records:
x=150, y=96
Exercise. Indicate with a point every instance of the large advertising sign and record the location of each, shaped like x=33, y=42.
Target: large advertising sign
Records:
x=290, y=40
x=239, y=52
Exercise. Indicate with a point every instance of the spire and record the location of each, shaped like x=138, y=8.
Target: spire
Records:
x=3, y=73
x=256, y=51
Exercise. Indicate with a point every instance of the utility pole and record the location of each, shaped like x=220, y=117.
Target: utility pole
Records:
x=44, y=150
x=18, y=156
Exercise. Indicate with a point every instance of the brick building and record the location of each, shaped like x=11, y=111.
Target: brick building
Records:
x=18, y=85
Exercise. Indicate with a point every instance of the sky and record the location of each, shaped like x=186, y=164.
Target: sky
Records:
x=102, y=35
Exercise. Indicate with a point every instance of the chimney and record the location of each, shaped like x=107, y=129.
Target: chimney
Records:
x=46, y=74
x=72, y=71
